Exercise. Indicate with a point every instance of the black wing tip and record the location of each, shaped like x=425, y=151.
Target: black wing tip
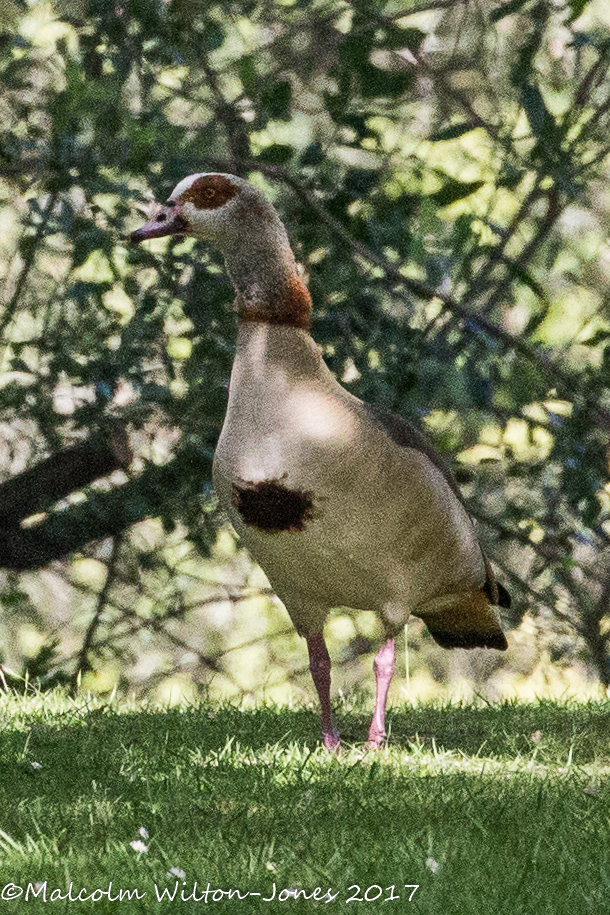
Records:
x=504, y=598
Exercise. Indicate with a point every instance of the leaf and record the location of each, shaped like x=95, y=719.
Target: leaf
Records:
x=527, y=279
x=276, y=99
x=451, y=132
x=377, y=83
x=155, y=393
x=527, y=383
x=541, y=121
x=535, y=322
x=312, y=155
x=374, y=81
x=277, y=154
x=397, y=38
x=507, y=10
x=9, y=15
x=360, y=181
x=510, y=175
x=454, y=190
x=247, y=74
x=72, y=9
x=356, y=48
x=599, y=336
x=213, y=36
x=578, y=7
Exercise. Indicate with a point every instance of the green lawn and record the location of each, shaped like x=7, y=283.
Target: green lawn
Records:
x=491, y=809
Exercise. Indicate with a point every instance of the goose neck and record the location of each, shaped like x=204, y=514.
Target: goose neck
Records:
x=269, y=289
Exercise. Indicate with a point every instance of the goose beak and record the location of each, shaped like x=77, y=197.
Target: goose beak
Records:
x=168, y=220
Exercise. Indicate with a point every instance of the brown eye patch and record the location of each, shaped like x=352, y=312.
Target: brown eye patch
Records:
x=209, y=192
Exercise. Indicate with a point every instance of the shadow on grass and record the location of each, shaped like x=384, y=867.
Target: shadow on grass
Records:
x=246, y=798
x=107, y=735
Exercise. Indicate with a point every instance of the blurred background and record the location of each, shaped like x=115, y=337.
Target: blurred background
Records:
x=442, y=168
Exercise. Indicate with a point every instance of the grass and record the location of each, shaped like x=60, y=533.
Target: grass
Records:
x=491, y=809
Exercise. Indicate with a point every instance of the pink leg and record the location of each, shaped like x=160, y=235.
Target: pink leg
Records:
x=383, y=665
x=319, y=665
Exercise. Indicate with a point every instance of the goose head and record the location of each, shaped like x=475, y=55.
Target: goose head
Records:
x=244, y=226
x=212, y=206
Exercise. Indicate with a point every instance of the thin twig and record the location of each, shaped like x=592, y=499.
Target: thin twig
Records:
x=28, y=263
x=83, y=663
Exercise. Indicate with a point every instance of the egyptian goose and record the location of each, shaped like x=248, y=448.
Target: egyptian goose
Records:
x=341, y=504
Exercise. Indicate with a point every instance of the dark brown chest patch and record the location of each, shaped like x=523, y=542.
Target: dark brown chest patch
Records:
x=271, y=506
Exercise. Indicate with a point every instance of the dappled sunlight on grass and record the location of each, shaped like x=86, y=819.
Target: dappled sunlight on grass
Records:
x=461, y=798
